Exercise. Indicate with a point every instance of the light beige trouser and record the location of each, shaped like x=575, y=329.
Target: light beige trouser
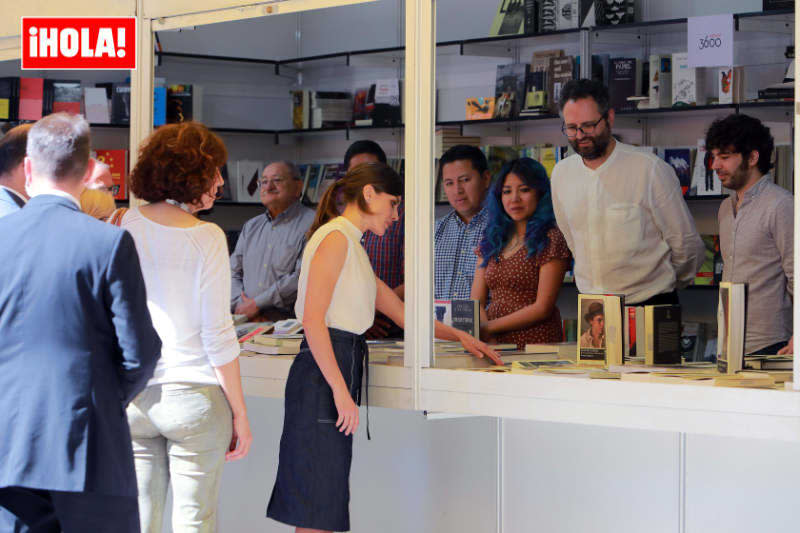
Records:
x=180, y=434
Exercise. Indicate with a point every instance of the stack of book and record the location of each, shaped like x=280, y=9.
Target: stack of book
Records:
x=448, y=137
x=273, y=344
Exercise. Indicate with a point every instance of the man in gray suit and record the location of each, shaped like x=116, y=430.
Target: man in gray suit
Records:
x=76, y=345
x=12, y=175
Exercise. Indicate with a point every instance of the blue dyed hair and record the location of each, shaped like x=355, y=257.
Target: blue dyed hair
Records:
x=496, y=236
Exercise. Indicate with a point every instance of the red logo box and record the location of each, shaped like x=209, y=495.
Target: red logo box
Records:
x=78, y=43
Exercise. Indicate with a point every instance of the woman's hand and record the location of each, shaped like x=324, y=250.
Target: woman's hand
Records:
x=348, y=411
x=478, y=348
x=240, y=440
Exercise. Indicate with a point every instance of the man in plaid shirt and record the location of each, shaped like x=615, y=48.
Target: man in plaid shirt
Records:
x=465, y=179
x=387, y=252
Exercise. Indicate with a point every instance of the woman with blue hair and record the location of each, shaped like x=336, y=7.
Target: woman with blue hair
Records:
x=522, y=259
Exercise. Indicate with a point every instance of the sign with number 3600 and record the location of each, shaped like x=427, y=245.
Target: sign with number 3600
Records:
x=711, y=41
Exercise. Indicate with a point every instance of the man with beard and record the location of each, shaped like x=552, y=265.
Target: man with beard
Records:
x=756, y=230
x=620, y=209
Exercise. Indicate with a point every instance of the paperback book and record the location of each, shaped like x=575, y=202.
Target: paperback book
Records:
x=730, y=327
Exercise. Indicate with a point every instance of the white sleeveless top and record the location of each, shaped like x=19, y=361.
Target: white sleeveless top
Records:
x=352, y=306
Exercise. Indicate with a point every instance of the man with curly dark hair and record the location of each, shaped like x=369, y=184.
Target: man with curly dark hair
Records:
x=756, y=230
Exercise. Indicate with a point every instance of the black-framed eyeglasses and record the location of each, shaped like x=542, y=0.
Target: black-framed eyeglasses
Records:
x=586, y=128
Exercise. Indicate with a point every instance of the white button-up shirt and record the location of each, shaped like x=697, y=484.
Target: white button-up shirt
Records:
x=627, y=224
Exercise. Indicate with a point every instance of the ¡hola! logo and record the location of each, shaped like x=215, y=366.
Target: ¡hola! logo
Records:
x=78, y=43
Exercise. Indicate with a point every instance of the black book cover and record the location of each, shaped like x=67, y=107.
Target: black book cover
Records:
x=770, y=5
x=667, y=335
x=179, y=103
x=613, y=12
x=622, y=83
x=465, y=317
x=547, y=15
x=9, y=98
x=62, y=95
x=531, y=24
x=121, y=104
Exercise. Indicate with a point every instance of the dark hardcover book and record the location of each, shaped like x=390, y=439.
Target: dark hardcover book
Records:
x=601, y=67
x=179, y=103
x=614, y=12
x=622, y=83
x=666, y=335
x=9, y=98
x=466, y=316
x=62, y=95
x=680, y=159
x=509, y=19
x=531, y=24
x=562, y=70
x=121, y=104
x=511, y=80
x=771, y=5
x=548, y=15
x=776, y=93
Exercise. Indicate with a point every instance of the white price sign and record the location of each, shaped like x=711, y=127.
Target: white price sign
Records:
x=711, y=41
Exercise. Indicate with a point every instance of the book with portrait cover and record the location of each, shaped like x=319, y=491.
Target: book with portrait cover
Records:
x=600, y=335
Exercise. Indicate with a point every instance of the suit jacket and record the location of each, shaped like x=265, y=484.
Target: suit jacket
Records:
x=76, y=345
x=9, y=203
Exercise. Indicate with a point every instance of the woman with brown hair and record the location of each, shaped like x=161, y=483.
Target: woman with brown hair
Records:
x=337, y=296
x=192, y=416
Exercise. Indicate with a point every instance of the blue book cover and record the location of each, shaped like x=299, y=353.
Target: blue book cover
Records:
x=159, y=106
x=680, y=159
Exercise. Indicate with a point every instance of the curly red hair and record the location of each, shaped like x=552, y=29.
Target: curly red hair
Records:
x=178, y=162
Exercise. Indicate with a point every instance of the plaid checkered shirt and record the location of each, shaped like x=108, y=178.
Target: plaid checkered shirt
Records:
x=455, y=258
x=387, y=253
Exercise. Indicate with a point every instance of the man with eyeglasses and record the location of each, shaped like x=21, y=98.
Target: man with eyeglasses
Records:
x=620, y=209
x=265, y=264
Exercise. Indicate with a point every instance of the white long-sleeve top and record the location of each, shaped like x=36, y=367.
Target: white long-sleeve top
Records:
x=627, y=224
x=188, y=282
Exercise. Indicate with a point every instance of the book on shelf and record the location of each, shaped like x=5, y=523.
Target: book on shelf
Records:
x=535, y=93
x=680, y=159
x=229, y=190
x=567, y=14
x=548, y=15
x=623, y=82
x=9, y=98
x=662, y=334
x=331, y=109
x=561, y=71
x=248, y=173
x=300, y=111
x=730, y=85
x=312, y=180
x=783, y=167
x=629, y=332
x=117, y=161
x=120, y=103
x=159, y=106
x=96, y=106
x=460, y=314
x=362, y=109
x=710, y=271
x=615, y=12
x=330, y=173
x=388, y=104
x=660, y=77
x=183, y=103
x=31, y=98
x=705, y=181
x=515, y=17
x=479, y=108
x=447, y=137
x=510, y=86
x=731, y=327
x=687, y=82
x=693, y=341
x=601, y=68
x=62, y=96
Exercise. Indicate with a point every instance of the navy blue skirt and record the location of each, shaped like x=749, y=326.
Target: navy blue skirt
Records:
x=312, y=489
